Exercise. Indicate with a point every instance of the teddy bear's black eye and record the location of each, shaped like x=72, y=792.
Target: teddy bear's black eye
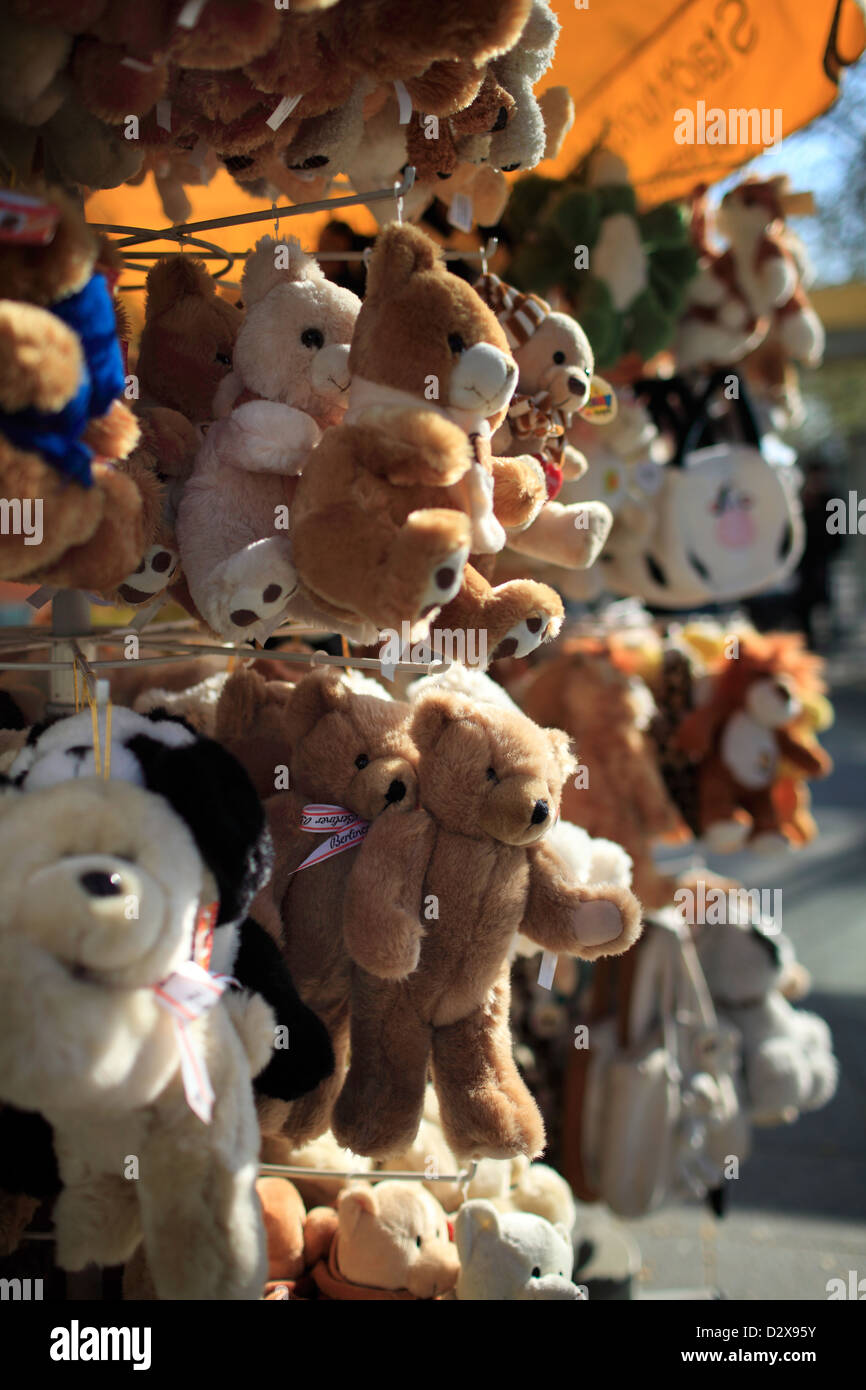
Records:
x=536, y=1272
x=418, y=1241
x=456, y=343
x=313, y=338
x=491, y=775
x=224, y=358
x=361, y=761
x=559, y=358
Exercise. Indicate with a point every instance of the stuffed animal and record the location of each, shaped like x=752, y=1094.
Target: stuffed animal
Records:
x=120, y=1083
x=349, y=761
x=512, y=1257
x=325, y=1161
x=788, y=1061
x=619, y=794
x=207, y=788
x=288, y=383
x=520, y=142
x=750, y=740
x=468, y=863
x=391, y=1242
x=392, y=502
x=557, y=382
x=296, y=1239
x=62, y=374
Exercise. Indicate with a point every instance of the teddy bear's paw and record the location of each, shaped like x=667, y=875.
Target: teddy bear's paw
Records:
x=540, y=626
x=770, y=842
x=154, y=574
x=598, y=923
x=256, y=587
x=446, y=576
x=97, y=1224
x=725, y=836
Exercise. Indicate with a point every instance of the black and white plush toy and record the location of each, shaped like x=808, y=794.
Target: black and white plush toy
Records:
x=213, y=795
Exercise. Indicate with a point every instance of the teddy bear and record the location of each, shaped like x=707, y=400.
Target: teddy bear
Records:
x=557, y=382
x=154, y=1123
x=60, y=415
x=512, y=1257
x=469, y=863
x=406, y=488
x=391, y=1242
x=751, y=741
x=288, y=383
x=296, y=1238
x=344, y=755
x=620, y=793
x=787, y=1053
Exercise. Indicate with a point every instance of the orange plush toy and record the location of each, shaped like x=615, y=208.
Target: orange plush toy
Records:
x=754, y=747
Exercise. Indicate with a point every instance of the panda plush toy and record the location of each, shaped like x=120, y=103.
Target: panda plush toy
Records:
x=213, y=795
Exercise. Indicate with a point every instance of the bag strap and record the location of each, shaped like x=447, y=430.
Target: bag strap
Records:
x=702, y=427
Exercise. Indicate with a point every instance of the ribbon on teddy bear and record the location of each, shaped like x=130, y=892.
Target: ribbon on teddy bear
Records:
x=186, y=994
x=349, y=829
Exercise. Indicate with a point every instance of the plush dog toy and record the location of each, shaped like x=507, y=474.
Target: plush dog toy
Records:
x=350, y=761
x=557, y=383
x=62, y=374
x=512, y=1257
x=392, y=502
x=788, y=1061
x=288, y=382
x=453, y=882
x=124, y=1087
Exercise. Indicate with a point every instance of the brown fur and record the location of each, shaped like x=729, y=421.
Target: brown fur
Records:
x=186, y=327
x=430, y=988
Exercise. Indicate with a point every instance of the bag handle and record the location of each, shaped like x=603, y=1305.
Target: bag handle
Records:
x=674, y=407
x=702, y=423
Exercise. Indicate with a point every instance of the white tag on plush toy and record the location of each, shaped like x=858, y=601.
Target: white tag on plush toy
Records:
x=283, y=111
x=186, y=995
x=191, y=14
x=547, y=969
x=404, y=101
x=460, y=212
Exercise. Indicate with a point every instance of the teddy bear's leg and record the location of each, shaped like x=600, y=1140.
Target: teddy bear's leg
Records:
x=154, y=572
x=509, y=620
x=107, y=556
x=201, y=1219
x=571, y=536
x=310, y=1115
x=245, y=596
x=389, y=578
x=97, y=1220
x=381, y=1103
x=486, y=1108
x=725, y=823
x=766, y=836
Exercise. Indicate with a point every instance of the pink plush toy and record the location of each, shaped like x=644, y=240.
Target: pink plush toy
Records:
x=289, y=381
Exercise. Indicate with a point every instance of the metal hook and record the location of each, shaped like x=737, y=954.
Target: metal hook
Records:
x=398, y=196
x=276, y=221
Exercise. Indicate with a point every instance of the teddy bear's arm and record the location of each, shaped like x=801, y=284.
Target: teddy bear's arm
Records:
x=814, y=762
x=382, y=909
x=265, y=437
x=519, y=490
x=585, y=921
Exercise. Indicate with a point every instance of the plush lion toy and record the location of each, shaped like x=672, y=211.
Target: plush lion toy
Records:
x=753, y=740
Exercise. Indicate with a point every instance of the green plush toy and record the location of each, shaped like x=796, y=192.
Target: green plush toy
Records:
x=624, y=273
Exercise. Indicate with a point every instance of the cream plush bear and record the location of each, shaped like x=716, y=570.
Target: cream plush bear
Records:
x=391, y=1241
x=97, y=919
x=289, y=382
x=557, y=383
x=512, y=1257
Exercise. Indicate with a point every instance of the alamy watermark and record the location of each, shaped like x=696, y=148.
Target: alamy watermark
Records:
x=737, y=126
x=22, y=518
x=468, y=646
x=705, y=905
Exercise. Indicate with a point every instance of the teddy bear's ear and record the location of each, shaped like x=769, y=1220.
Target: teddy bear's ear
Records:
x=561, y=744
x=243, y=696
x=176, y=278
x=433, y=712
x=315, y=696
x=401, y=251
x=275, y=263
x=474, y=1218
x=352, y=1203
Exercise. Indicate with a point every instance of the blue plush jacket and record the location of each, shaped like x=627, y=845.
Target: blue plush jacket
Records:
x=57, y=435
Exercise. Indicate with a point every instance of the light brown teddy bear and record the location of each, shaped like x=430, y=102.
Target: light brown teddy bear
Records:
x=345, y=751
x=432, y=905
x=393, y=501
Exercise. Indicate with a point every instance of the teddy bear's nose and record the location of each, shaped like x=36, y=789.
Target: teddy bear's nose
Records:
x=100, y=884
x=396, y=791
x=540, y=812
x=576, y=386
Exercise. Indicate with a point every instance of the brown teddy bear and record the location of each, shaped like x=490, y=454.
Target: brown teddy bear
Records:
x=60, y=416
x=432, y=904
x=622, y=796
x=342, y=750
x=392, y=502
